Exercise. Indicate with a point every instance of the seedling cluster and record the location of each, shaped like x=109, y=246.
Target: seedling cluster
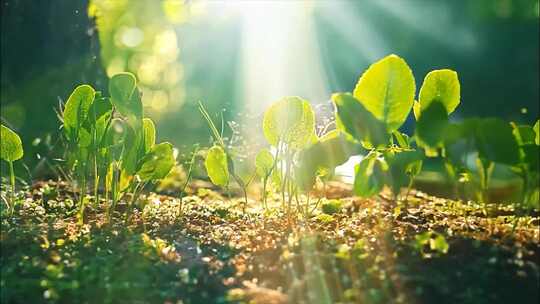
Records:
x=368, y=121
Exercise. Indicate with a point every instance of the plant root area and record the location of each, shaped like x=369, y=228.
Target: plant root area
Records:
x=208, y=249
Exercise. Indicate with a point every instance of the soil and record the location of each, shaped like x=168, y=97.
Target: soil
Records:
x=208, y=250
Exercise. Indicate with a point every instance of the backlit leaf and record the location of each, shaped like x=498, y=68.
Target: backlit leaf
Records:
x=387, y=90
x=157, y=163
x=290, y=120
x=11, y=148
x=77, y=108
x=442, y=85
x=125, y=97
x=217, y=167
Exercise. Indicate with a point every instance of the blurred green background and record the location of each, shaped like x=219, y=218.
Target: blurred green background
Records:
x=239, y=56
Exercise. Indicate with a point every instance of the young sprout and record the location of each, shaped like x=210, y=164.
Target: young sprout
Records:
x=220, y=151
x=264, y=163
x=11, y=149
x=79, y=137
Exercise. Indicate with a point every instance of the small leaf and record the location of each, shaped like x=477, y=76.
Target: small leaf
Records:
x=264, y=161
x=370, y=175
x=442, y=85
x=125, y=97
x=353, y=119
x=331, y=151
x=11, y=148
x=387, y=90
x=439, y=244
x=77, y=108
x=149, y=134
x=403, y=165
x=495, y=141
x=432, y=126
x=402, y=139
x=157, y=163
x=216, y=166
x=290, y=120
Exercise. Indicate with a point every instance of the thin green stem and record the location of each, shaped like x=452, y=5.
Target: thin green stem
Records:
x=12, y=179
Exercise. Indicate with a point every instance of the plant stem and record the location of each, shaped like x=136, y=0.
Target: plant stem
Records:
x=12, y=179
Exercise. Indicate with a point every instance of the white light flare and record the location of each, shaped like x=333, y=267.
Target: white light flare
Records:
x=279, y=53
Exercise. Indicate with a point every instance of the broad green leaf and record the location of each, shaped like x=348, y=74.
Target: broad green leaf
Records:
x=11, y=148
x=432, y=125
x=537, y=131
x=370, y=175
x=441, y=85
x=290, y=120
x=495, y=141
x=149, y=134
x=157, y=163
x=264, y=162
x=353, y=119
x=125, y=97
x=387, y=90
x=77, y=108
x=331, y=151
x=217, y=166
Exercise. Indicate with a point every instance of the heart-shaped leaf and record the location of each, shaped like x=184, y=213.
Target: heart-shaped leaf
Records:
x=11, y=148
x=387, y=89
x=290, y=120
x=217, y=167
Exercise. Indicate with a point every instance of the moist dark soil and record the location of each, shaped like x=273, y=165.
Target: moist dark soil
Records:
x=207, y=250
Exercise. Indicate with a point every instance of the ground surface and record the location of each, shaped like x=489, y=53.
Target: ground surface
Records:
x=367, y=251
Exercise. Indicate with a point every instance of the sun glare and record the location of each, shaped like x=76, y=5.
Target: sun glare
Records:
x=279, y=52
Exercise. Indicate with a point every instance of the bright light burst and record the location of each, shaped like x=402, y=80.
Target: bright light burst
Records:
x=279, y=52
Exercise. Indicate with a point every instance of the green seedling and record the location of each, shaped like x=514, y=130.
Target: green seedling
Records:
x=371, y=116
x=79, y=138
x=11, y=149
x=218, y=153
x=264, y=163
x=289, y=126
x=110, y=136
